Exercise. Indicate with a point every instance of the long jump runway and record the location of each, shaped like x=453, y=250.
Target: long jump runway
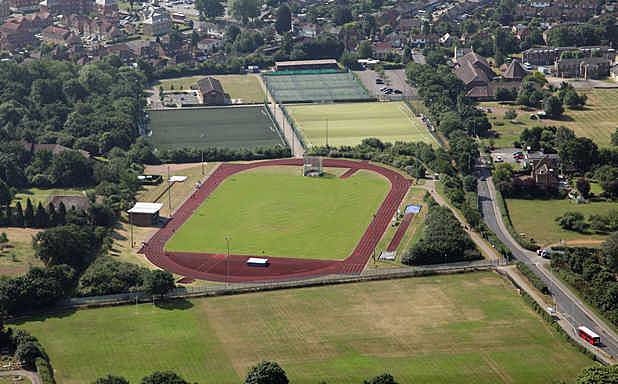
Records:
x=217, y=267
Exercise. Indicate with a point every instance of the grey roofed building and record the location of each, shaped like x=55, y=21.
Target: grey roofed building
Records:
x=474, y=70
x=514, y=71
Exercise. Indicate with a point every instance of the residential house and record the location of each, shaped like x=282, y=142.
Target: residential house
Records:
x=545, y=168
x=24, y=5
x=67, y=7
x=549, y=55
x=60, y=36
x=209, y=45
x=585, y=68
x=5, y=10
x=212, y=91
x=146, y=49
x=157, y=22
x=307, y=30
x=15, y=34
x=107, y=7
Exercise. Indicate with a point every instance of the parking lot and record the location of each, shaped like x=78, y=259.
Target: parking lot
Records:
x=506, y=155
x=392, y=85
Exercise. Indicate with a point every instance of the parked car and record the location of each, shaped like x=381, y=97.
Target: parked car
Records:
x=499, y=159
x=379, y=81
x=398, y=91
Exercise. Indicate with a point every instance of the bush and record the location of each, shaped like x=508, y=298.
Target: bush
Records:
x=534, y=279
x=45, y=371
x=573, y=221
x=510, y=114
x=106, y=276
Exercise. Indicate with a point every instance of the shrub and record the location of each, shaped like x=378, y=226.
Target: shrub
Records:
x=573, y=221
x=44, y=370
x=534, y=279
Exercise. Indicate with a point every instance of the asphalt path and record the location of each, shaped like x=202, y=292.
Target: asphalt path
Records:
x=32, y=376
x=568, y=305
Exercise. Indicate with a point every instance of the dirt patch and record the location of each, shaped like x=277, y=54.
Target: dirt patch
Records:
x=20, y=235
x=162, y=169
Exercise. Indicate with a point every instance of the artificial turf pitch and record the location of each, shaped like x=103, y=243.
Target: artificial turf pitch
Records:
x=350, y=123
x=274, y=211
x=225, y=127
x=469, y=328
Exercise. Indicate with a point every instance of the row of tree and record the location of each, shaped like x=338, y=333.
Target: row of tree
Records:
x=266, y=372
x=593, y=273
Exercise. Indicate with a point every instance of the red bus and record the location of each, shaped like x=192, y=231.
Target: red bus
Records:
x=588, y=335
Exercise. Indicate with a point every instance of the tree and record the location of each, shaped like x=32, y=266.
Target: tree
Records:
x=18, y=221
x=209, y=9
x=266, y=372
x=61, y=215
x=41, y=219
x=29, y=214
x=283, y=23
x=598, y=375
x=6, y=194
x=610, y=251
x=342, y=15
x=580, y=153
x=583, y=186
x=27, y=352
x=69, y=244
x=244, y=10
x=615, y=137
x=167, y=377
x=553, y=106
x=607, y=176
x=365, y=50
x=159, y=283
x=109, y=379
x=384, y=378
x=573, y=221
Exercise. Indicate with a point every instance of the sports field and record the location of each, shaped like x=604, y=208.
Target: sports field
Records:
x=225, y=127
x=274, y=211
x=241, y=88
x=469, y=328
x=596, y=121
x=350, y=123
x=341, y=86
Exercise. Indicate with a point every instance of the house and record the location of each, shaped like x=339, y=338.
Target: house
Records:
x=209, y=45
x=107, y=7
x=15, y=34
x=382, y=49
x=53, y=148
x=5, y=10
x=157, y=22
x=476, y=74
x=146, y=49
x=67, y=7
x=212, y=91
x=514, y=71
x=585, y=68
x=545, y=168
x=60, y=36
x=308, y=30
x=24, y=5
x=549, y=55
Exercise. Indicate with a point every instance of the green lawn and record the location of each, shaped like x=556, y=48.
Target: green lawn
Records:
x=536, y=218
x=224, y=127
x=596, y=121
x=37, y=195
x=246, y=89
x=275, y=211
x=350, y=123
x=470, y=328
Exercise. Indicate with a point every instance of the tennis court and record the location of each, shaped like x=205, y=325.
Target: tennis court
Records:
x=338, y=86
x=225, y=127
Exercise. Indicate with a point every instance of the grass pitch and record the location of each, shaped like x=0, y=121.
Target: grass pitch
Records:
x=350, y=123
x=226, y=127
x=596, y=121
x=274, y=211
x=537, y=218
x=470, y=328
x=243, y=89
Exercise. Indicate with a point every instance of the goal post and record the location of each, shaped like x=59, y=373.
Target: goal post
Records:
x=312, y=166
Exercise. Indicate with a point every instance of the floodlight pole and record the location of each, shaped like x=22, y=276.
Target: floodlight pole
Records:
x=169, y=190
x=326, y=132
x=202, y=163
x=131, y=228
x=227, y=261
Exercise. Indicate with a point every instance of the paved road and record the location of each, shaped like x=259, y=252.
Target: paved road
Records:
x=33, y=376
x=569, y=306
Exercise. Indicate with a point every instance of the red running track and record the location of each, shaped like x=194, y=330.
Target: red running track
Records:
x=215, y=267
x=401, y=230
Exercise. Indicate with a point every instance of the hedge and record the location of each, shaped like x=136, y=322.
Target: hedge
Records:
x=534, y=279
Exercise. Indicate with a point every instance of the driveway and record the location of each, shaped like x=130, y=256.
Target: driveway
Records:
x=33, y=377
